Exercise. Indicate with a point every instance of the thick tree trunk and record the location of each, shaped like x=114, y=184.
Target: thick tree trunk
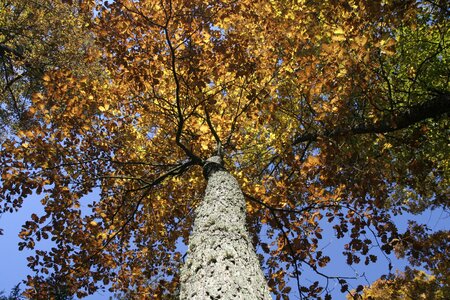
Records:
x=221, y=261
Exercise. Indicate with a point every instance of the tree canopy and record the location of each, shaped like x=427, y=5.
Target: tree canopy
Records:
x=331, y=112
x=36, y=37
x=412, y=284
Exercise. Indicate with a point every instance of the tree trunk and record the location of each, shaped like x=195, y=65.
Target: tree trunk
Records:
x=221, y=261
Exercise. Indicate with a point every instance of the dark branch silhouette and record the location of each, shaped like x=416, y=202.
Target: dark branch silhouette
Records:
x=437, y=106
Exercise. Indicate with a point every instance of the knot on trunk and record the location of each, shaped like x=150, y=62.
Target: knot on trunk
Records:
x=212, y=164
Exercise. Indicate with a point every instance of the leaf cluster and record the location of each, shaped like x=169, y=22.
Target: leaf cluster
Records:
x=327, y=113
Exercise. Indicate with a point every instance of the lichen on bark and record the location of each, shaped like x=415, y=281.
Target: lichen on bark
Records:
x=221, y=261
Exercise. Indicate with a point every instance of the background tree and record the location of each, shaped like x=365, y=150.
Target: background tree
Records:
x=52, y=287
x=36, y=37
x=15, y=294
x=328, y=113
x=54, y=290
x=411, y=284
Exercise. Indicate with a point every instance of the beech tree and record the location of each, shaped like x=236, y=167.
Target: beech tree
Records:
x=36, y=37
x=412, y=284
x=292, y=114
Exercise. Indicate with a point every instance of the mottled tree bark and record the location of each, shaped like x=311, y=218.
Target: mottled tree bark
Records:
x=221, y=261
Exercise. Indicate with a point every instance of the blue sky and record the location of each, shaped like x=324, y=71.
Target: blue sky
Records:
x=13, y=263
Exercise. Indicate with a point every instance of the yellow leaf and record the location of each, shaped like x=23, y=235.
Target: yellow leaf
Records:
x=204, y=128
x=387, y=146
x=338, y=38
x=361, y=41
x=104, y=108
x=312, y=161
x=46, y=78
x=102, y=236
x=37, y=96
x=342, y=73
x=339, y=31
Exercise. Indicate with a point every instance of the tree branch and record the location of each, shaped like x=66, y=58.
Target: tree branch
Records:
x=437, y=106
x=211, y=127
x=146, y=191
x=180, y=116
x=6, y=49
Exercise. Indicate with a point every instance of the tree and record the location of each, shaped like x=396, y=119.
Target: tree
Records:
x=412, y=284
x=57, y=291
x=15, y=294
x=52, y=287
x=36, y=37
x=334, y=111
x=222, y=263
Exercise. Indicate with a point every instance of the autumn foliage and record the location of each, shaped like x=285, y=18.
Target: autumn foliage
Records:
x=38, y=37
x=412, y=284
x=331, y=112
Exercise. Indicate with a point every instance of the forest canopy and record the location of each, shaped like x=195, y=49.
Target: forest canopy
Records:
x=328, y=114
